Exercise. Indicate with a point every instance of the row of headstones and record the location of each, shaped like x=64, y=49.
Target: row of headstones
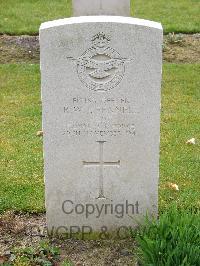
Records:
x=101, y=78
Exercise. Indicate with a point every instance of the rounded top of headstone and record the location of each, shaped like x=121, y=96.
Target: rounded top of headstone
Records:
x=99, y=19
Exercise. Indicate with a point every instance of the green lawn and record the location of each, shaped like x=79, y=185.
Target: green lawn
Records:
x=175, y=15
x=21, y=150
x=21, y=170
x=180, y=119
x=25, y=16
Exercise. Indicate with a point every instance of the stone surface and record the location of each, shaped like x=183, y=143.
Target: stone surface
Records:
x=101, y=79
x=101, y=7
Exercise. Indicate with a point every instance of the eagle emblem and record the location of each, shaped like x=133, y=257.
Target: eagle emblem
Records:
x=100, y=68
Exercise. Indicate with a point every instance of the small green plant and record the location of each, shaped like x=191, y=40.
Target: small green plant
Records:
x=22, y=261
x=66, y=263
x=44, y=255
x=173, y=240
x=173, y=38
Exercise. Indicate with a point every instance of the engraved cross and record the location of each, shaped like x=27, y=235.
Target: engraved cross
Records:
x=101, y=163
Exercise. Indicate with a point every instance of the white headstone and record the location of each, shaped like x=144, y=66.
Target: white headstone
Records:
x=101, y=7
x=101, y=79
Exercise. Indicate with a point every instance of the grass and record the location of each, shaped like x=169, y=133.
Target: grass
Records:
x=176, y=16
x=22, y=187
x=25, y=16
x=180, y=117
x=172, y=240
x=21, y=150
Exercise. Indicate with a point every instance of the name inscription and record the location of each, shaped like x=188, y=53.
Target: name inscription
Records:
x=103, y=105
x=106, y=123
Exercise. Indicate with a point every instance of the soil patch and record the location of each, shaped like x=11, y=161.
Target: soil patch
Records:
x=25, y=230
x=181, y=48
x=19, y=49
x=177, y=48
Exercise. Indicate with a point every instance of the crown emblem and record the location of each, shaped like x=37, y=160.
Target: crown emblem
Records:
x=101, y=40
